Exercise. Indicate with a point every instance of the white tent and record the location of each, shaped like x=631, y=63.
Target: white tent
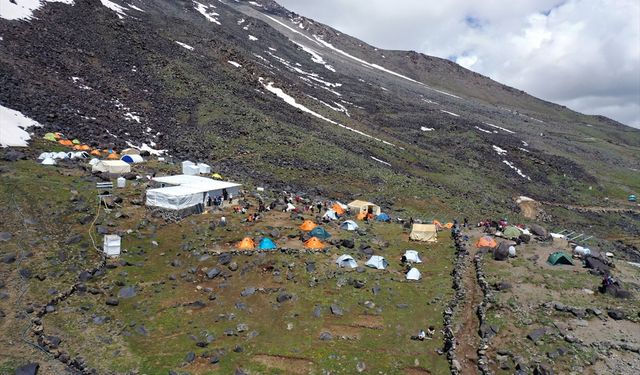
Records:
x=132, y=158
x=377, y=261
x=111, y=246
x=331, y=215
x=191, y=170
x=175, y=197
x=80, y=155
x=412, y=256
x=349, y=225
x=60, y=155
x=359, y=206
x=413, y=274
x=49, y=161
x=45, y=155
x=290, y=207
x=346, y=261
x=204, y=168
x=94, y=161
x=111, y=166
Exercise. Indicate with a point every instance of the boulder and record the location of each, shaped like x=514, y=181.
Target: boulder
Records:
x=616, y=314
x=336, y=310
x=537, y=334
x=283, y=297
x=28, y=369
x=502, y=251
x=5, y=236
x=224, y=259
x=127, y=292
x=213, y=273
x=539, y=231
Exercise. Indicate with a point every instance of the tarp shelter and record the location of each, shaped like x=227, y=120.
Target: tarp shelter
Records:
x=132, y=159
x=111, y=245
x=49, y=161
x=346, y=261
x=130, y=151
x=377, y=261
x=313, y=243
x=383, y=217
x=486, y=241
x=320, y=233
x=330, y=215
x=358, y=207
x=559, y=258
x=267, y=244
x=182, y=191
x=50, y=137
x=414, y=274
x=412, y=256
x=246, y=244
x=111, y=166
x=424, y=233
x=338, y=208
x=308, y=225
x=349, y=225
x=511, y=232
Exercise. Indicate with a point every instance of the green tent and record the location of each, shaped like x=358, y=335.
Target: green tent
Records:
x=559, y=258
x=50, y=137
x=511, y=232
x=76, y=142
x=633, y=198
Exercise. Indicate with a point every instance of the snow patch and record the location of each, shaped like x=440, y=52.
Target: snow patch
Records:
x=255, y=4
x=484, y=130
x=209, y=15
x=380, y=161
x=136, y=8
x=430, y=101
x=184, y=45
x=234, y=64
x=315, y=57
x=115, y=7
x=524, y=149
x=252, y=38
x=132, y=117
x=518, y=170
x=23, y=9
x=499, y=127
x=450, y=113
x=292, y=102
x=13, y=125
x=146, y=147
x=499, y=150
x=425, y=129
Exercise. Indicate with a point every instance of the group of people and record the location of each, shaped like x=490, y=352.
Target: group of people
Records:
x=422, y=335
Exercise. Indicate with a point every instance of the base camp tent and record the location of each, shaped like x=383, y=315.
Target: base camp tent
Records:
x=182, y=191
x=349, y=225
x=414, y=274
x=511, y=232
x=133, y=158
x=330, y=215
x=320, y=233
x=112, y=167
x=346, y=261
x=383, y=217
x=307, y=225
x=358, y=207
x=559, y=258
x=111, y=245
x=411, y=256
x=267, y=244
x=246, y=244
x=377, y=261
x=313, y=243
x=48, y=161
x=486, y=241
x=424, y=233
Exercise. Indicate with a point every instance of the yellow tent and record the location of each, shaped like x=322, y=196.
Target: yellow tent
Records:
x=361, y=216
x=308, y=225
x=50, y=137
x=486, y=241
x=424, y=233
x=216, y=176
x=357, y=207
x=246, y=244
x=313, y=243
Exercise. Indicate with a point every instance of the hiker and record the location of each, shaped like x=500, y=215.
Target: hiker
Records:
x=223, y=221
x=465, y=223
x=431, y=331
x=230, y=198
x=225, y=194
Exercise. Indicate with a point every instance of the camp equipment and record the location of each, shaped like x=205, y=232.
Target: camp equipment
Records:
x=346, y=261
x=486, y=241
x=313, y=243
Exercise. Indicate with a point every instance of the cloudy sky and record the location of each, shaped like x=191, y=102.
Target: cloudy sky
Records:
x=584, y=54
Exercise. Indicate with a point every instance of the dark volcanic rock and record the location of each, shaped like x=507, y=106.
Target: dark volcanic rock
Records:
x=283, y=297
x=537, y=334
x=127, y=292
x=28, y=369
x=616, y=314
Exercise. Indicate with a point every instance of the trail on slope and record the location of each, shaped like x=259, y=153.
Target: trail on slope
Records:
x=467, y=320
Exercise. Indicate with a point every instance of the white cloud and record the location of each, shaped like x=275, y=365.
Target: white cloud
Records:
x=581, y=53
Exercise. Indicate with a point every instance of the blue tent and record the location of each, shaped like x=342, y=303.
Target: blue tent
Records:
x=132, y=159
x=320, y=233
x=267, y=244
x=383, y=217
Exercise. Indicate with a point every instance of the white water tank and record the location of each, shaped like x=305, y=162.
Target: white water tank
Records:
x=121, y=182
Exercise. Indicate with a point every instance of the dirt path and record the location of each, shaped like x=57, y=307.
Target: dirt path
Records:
x=468, y=323
x=597, y=209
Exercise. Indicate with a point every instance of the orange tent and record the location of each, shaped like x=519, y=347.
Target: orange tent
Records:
x=437, y=223
x=85, y=148
x=486, y=241
x=65, y=142
x=308, y=225
x=246, y=244
x=338, y=209
x=361, y=216
x=95, y=152
x=77, y=147
x=113, y=156
x=313, y=243
x=448, y=225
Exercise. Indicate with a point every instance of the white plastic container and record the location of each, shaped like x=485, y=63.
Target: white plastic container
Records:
x=121, y=182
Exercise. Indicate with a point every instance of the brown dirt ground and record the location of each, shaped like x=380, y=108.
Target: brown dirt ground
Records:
x=291, y=365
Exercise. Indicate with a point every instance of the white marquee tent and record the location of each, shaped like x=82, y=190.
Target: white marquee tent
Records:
x=111, y=166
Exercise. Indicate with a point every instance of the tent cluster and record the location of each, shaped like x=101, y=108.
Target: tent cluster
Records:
x=248, y=243
x=49, y=158
x=76, y=145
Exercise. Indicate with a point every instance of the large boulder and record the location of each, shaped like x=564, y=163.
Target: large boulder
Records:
x=502, y=251
x=28, y=369
x=539, y=231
